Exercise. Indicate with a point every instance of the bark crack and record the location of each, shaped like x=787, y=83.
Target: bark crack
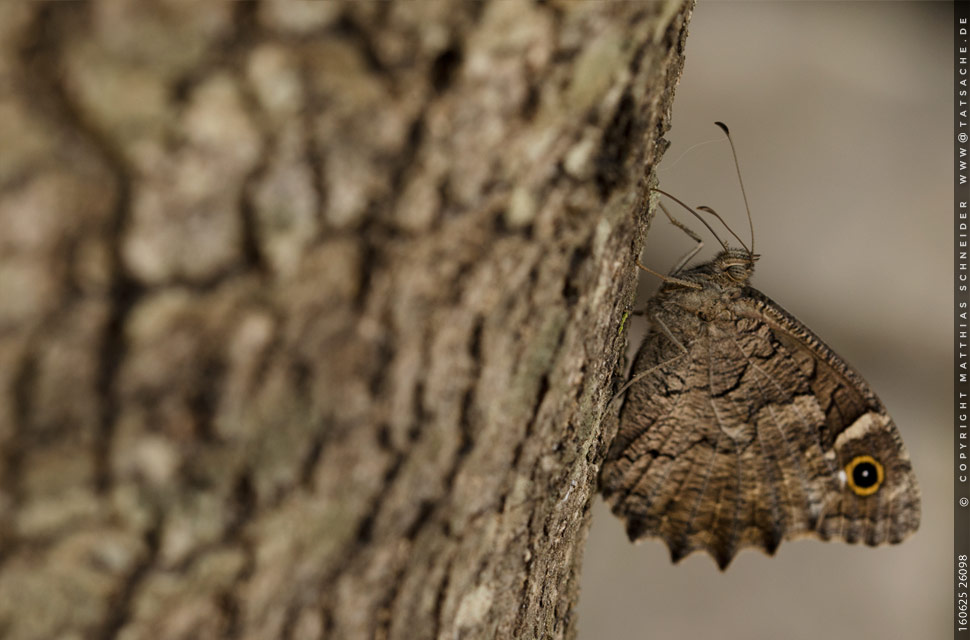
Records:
x=42, y=54
x=23, y=383
x=120, y=611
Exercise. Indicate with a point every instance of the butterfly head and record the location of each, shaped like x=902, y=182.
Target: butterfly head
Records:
x=736, y=265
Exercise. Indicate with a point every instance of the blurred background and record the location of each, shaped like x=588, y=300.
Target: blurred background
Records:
x=841, y=114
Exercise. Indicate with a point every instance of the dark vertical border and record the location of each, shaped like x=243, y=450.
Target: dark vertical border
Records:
x=961, y=313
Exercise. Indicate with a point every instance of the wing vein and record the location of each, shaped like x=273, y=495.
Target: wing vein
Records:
x=675, y=427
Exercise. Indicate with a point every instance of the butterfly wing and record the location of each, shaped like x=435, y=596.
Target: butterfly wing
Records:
x=758, y=433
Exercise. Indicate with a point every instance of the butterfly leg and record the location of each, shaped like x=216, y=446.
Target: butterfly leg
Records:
x=645, y=373
x=684, y=260
x=683, y=283
x=670, y=336
x=696, y=238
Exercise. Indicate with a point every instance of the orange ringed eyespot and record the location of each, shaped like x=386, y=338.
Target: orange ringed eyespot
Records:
x=864, y=475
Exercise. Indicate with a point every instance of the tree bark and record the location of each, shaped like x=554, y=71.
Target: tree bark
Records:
x=310, y=313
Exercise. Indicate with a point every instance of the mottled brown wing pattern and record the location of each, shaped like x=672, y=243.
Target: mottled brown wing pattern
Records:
x=744, y=441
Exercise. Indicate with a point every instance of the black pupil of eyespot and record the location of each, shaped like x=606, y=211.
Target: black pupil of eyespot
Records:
x=864, y=475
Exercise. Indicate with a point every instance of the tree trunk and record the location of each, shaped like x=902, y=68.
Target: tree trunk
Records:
x=310, y=313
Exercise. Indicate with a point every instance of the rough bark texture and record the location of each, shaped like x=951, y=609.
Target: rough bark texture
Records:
x=310, y=313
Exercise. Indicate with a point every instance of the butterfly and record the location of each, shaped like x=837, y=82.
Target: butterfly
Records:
x=742, y=428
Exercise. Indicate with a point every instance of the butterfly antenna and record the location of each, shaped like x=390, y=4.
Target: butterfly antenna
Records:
x=695, y=214
x=714, y=213
x=737, y=166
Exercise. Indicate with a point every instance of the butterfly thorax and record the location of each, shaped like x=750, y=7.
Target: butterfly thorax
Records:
x=720, y=282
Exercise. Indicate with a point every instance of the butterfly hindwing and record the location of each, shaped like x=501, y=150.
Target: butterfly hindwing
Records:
x=744, y=439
